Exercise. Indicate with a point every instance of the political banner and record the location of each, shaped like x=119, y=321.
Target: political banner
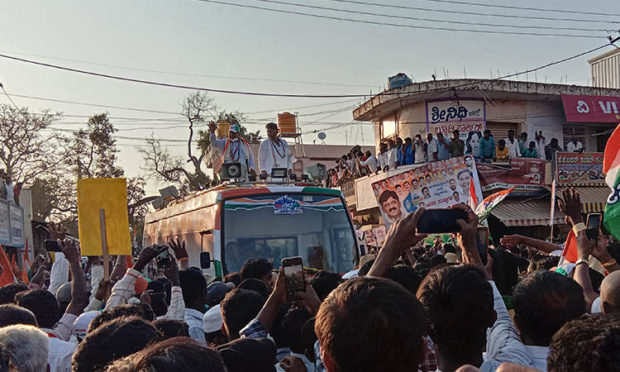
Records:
x=5, y=224
x=466, y=116
x=17, y=226
x=526, y=174
x=437, y=184
x=573, y=167
x=109, y=194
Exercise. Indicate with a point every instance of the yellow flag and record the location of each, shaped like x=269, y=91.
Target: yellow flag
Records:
x=109, y=194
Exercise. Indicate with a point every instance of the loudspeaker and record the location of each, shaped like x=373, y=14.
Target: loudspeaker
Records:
x=233, y=170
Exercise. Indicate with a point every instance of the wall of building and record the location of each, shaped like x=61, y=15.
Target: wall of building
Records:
x=606, y=70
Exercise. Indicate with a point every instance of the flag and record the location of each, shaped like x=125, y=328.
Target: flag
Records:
x=7, y=276
x=570, y=248
x=473, y=199
x=486, y=206
x=611, y=168
x=26, y=265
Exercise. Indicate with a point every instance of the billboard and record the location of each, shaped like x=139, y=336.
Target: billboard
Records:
x=437, y=184
x=591, y=109
x=526, y=174
x=467, y=116
x=11, y=225
x=572, y=167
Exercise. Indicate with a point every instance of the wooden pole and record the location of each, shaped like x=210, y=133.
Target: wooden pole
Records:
x=104, y=245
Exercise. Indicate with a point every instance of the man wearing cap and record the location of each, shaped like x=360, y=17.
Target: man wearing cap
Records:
x=274, y=152
x=234, y=148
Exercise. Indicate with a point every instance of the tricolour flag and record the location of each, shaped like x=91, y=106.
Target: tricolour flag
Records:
x=611, y=168
x=473, y=199
x=486, y=206
x=570, y=252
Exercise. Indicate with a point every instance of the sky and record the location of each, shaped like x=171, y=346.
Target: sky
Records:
x=214, y=45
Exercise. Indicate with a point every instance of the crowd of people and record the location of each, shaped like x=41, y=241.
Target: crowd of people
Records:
x=398, y=152
x=409, y=307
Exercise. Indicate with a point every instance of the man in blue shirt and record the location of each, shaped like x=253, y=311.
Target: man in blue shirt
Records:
x=407, y=152
x=443, y=146
x=487, y=146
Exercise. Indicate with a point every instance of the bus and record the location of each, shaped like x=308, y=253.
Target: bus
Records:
x=227, y=225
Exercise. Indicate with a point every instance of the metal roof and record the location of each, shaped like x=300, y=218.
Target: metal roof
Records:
x=515, y=213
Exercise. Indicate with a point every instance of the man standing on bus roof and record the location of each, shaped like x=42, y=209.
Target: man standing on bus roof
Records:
x=274, y=152
x=234, y=148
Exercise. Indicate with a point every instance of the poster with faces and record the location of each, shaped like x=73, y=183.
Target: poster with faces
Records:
x=437, y=184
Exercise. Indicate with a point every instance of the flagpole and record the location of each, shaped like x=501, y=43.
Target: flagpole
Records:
x=552, y=212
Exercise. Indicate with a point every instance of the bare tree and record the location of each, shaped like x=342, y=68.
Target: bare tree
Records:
x=25, y=151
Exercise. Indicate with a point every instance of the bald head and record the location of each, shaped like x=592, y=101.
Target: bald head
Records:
x=610, y=293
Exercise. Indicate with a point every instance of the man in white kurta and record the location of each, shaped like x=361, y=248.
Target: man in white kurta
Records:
x=274, y=152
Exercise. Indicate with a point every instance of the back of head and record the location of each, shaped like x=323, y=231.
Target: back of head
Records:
x=371, y=324
x=544, y=301
x=43, y=304
x=505, y=270
x=324, y=283
x=256, y=285
x=587, y=344
x=292, y=324
x=8, y=292
x=459, y=306
x=13, y=314
x=257, y=268
x=140, y=310
x=610, y=293
x=216, y=292
x=193, y=284
x=178, y=354
x=111, y=341
x=437, y=260
x=25, y=347
x=169, y=328
x=234, y=278
x=249, y=355
x=238, y=308
x=405, y=276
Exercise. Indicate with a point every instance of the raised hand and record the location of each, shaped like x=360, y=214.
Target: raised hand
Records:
x=178, y=247
x=570, y=205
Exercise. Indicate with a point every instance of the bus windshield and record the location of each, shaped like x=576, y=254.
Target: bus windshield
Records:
x=275, y=226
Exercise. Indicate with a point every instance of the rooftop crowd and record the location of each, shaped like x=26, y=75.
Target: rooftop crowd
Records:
x=398, y=152
x=410, y=307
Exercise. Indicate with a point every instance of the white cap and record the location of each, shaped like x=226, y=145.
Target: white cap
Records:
x=212, y=320
x=80, y=326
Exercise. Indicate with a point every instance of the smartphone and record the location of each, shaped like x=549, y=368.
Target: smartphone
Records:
x=482, y=241
x=593, y=225
x=52, y=246
x=163, y=259
x=294, y=276
x=435, y=221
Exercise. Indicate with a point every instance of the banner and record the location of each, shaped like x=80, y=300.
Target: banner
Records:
x=467, y=116
x=5, y=224
x=591, y=109
x=438, y=184
x=111, y=195
x=572, y=167
x=17, y=226
x=526, y=174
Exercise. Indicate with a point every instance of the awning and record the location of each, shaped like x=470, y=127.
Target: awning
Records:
x=515, y=213
x=593, y=198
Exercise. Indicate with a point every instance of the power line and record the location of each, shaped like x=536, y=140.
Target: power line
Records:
x=397, y=24
x=266, y=94
x=243, y=78
x=93, y=104
x=9, y=97
x=524, y=8
x=430, y=19
x=463, y=12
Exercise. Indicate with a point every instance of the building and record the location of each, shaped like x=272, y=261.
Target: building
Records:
x=606, y=70
x=564, y=112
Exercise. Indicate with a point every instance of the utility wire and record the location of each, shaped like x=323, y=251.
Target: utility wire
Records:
x=9, y=97
x=266, y=94
x=463, y=12
x=399, y=25
x=431, y=19
x=525, y=8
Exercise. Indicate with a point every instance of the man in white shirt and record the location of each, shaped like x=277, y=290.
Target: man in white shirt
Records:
x=535, y=317
x=512, y=145
x=234, y=148
x=541, y=142
x=370, y=162
x=420, y=150
x=274, y=152
x=392, y=155
x=574, y=146
x=382, y=157
x=431, y=148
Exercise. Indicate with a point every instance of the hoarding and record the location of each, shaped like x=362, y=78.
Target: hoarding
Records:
x=572, y=167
